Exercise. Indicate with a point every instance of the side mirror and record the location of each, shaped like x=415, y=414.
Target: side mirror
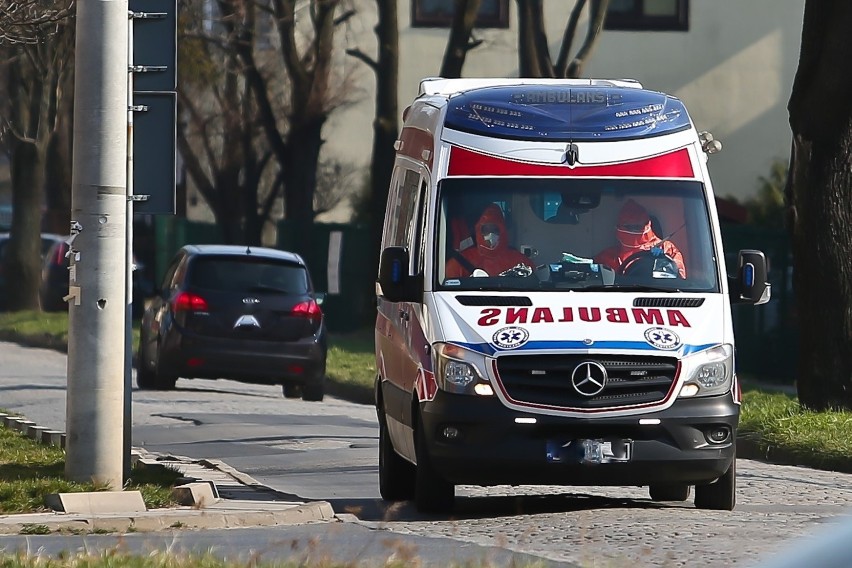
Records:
x=395, y=283
x=750, y=285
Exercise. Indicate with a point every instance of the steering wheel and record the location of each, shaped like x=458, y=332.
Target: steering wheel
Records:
x=520, y=270
x=652, y=262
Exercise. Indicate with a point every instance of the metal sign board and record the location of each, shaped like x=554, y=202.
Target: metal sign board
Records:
x=154, y=158
x=154, y=45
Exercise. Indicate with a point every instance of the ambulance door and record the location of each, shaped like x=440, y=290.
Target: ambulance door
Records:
x=416, y=356
x=386, y=320
x=403, y=220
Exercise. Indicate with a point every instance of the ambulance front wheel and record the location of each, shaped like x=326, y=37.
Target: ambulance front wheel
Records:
x=721, y=495
x=431, y=493
x=396, y=476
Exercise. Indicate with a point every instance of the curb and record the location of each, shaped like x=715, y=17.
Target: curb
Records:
x=223, y=514
x=166, y=519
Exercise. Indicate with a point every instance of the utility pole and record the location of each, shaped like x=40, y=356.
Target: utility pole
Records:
x=97, y=272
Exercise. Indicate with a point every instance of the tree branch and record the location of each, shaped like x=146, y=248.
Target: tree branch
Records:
x=358, y=54
x=568, y=38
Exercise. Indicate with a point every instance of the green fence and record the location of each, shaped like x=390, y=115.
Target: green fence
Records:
x=339, y=266
x=335, y=255
x=767, y=335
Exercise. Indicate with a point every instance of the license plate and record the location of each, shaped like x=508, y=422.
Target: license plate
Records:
x=589, y=451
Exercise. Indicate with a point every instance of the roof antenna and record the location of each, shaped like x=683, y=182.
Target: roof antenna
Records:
x=248, y=249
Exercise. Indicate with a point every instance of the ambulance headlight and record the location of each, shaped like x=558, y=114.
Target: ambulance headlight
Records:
x=459, y=370
x=710, y=372
x=459, y=374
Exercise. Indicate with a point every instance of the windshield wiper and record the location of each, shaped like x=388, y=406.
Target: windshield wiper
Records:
x=624, y=288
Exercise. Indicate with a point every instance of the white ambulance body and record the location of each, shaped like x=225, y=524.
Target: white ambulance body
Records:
x=529, y=329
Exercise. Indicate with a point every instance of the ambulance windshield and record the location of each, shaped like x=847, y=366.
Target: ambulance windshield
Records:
x=528, y=233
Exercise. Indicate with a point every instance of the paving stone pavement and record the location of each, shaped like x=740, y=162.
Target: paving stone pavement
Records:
x=620, y=526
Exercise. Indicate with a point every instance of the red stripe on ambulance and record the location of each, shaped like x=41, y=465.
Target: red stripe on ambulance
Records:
x=465, y=162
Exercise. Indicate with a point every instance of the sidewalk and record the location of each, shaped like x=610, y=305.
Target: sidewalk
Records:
x=236, y=500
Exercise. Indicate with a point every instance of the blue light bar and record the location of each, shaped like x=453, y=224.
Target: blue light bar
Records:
x=563, y=114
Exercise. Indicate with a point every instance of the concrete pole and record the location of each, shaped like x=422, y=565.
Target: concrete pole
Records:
x=95, y=393
x=127, y=425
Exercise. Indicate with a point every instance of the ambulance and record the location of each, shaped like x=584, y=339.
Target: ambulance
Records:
x=554, y=305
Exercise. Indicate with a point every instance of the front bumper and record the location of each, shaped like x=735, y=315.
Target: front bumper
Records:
x=490, y=448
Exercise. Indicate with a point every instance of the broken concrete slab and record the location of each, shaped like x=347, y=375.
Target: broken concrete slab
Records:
x=91, y=502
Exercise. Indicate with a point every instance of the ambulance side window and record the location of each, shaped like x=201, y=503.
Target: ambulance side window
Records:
x=420, y=230
x=392, y=205
x=403, y=214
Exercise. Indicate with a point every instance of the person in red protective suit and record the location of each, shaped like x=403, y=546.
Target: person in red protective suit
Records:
x=635, y=235
x=491, y=253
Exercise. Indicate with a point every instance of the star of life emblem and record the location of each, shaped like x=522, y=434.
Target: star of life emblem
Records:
x=510, y=337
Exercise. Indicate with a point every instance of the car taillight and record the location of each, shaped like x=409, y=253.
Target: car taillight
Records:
x=309, y=309
x=187, y=302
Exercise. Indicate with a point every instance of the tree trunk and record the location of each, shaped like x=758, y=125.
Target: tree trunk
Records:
x=58, y=178
x=22, y=270
x=459, y=44
x=300, y=169
x=528, y=58
x=386, y=122
x=819, y=194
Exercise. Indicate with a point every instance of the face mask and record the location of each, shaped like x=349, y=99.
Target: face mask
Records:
x=633, y=236
x=491, y=240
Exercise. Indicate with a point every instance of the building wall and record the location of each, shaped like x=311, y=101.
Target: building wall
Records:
x=734, y=69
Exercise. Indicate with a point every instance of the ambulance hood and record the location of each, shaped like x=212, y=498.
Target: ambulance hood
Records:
x=582, y=322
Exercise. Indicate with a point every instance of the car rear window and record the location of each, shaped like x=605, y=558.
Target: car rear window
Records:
x=248, y=274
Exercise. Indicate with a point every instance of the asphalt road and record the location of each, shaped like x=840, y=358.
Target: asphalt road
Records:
x=328, y=451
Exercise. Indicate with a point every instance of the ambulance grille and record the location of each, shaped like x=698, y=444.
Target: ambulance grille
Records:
x=668, y=302
x=546, y=380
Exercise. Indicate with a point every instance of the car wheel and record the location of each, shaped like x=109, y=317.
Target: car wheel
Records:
x=165, y=377
x=396, y=476
x=671, y=492
x=432, y=494
x=291, y=390
x=314, y=391
x=721, y=495
x=145, y=377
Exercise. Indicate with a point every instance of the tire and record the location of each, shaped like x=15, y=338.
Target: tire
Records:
x=721, y=495
x=291, y=390
x=396, y=476
x=431, y=493
x=314, y=392
x=672, y=492
x=162, y=378
x=166, y=378
x=145, y=377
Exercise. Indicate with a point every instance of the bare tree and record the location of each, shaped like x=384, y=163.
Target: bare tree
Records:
x=306, y=49
x=460, y=40
x=819, y=196
x=29, y=21
x=533, y=46
x=386, y=122
x=220, y=140
x=36, y=83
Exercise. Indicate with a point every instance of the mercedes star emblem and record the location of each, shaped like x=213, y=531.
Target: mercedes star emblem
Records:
x=589, y=378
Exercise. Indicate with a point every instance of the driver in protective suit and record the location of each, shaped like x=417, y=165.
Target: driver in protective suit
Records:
x=491, y=253
x=635, y=235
